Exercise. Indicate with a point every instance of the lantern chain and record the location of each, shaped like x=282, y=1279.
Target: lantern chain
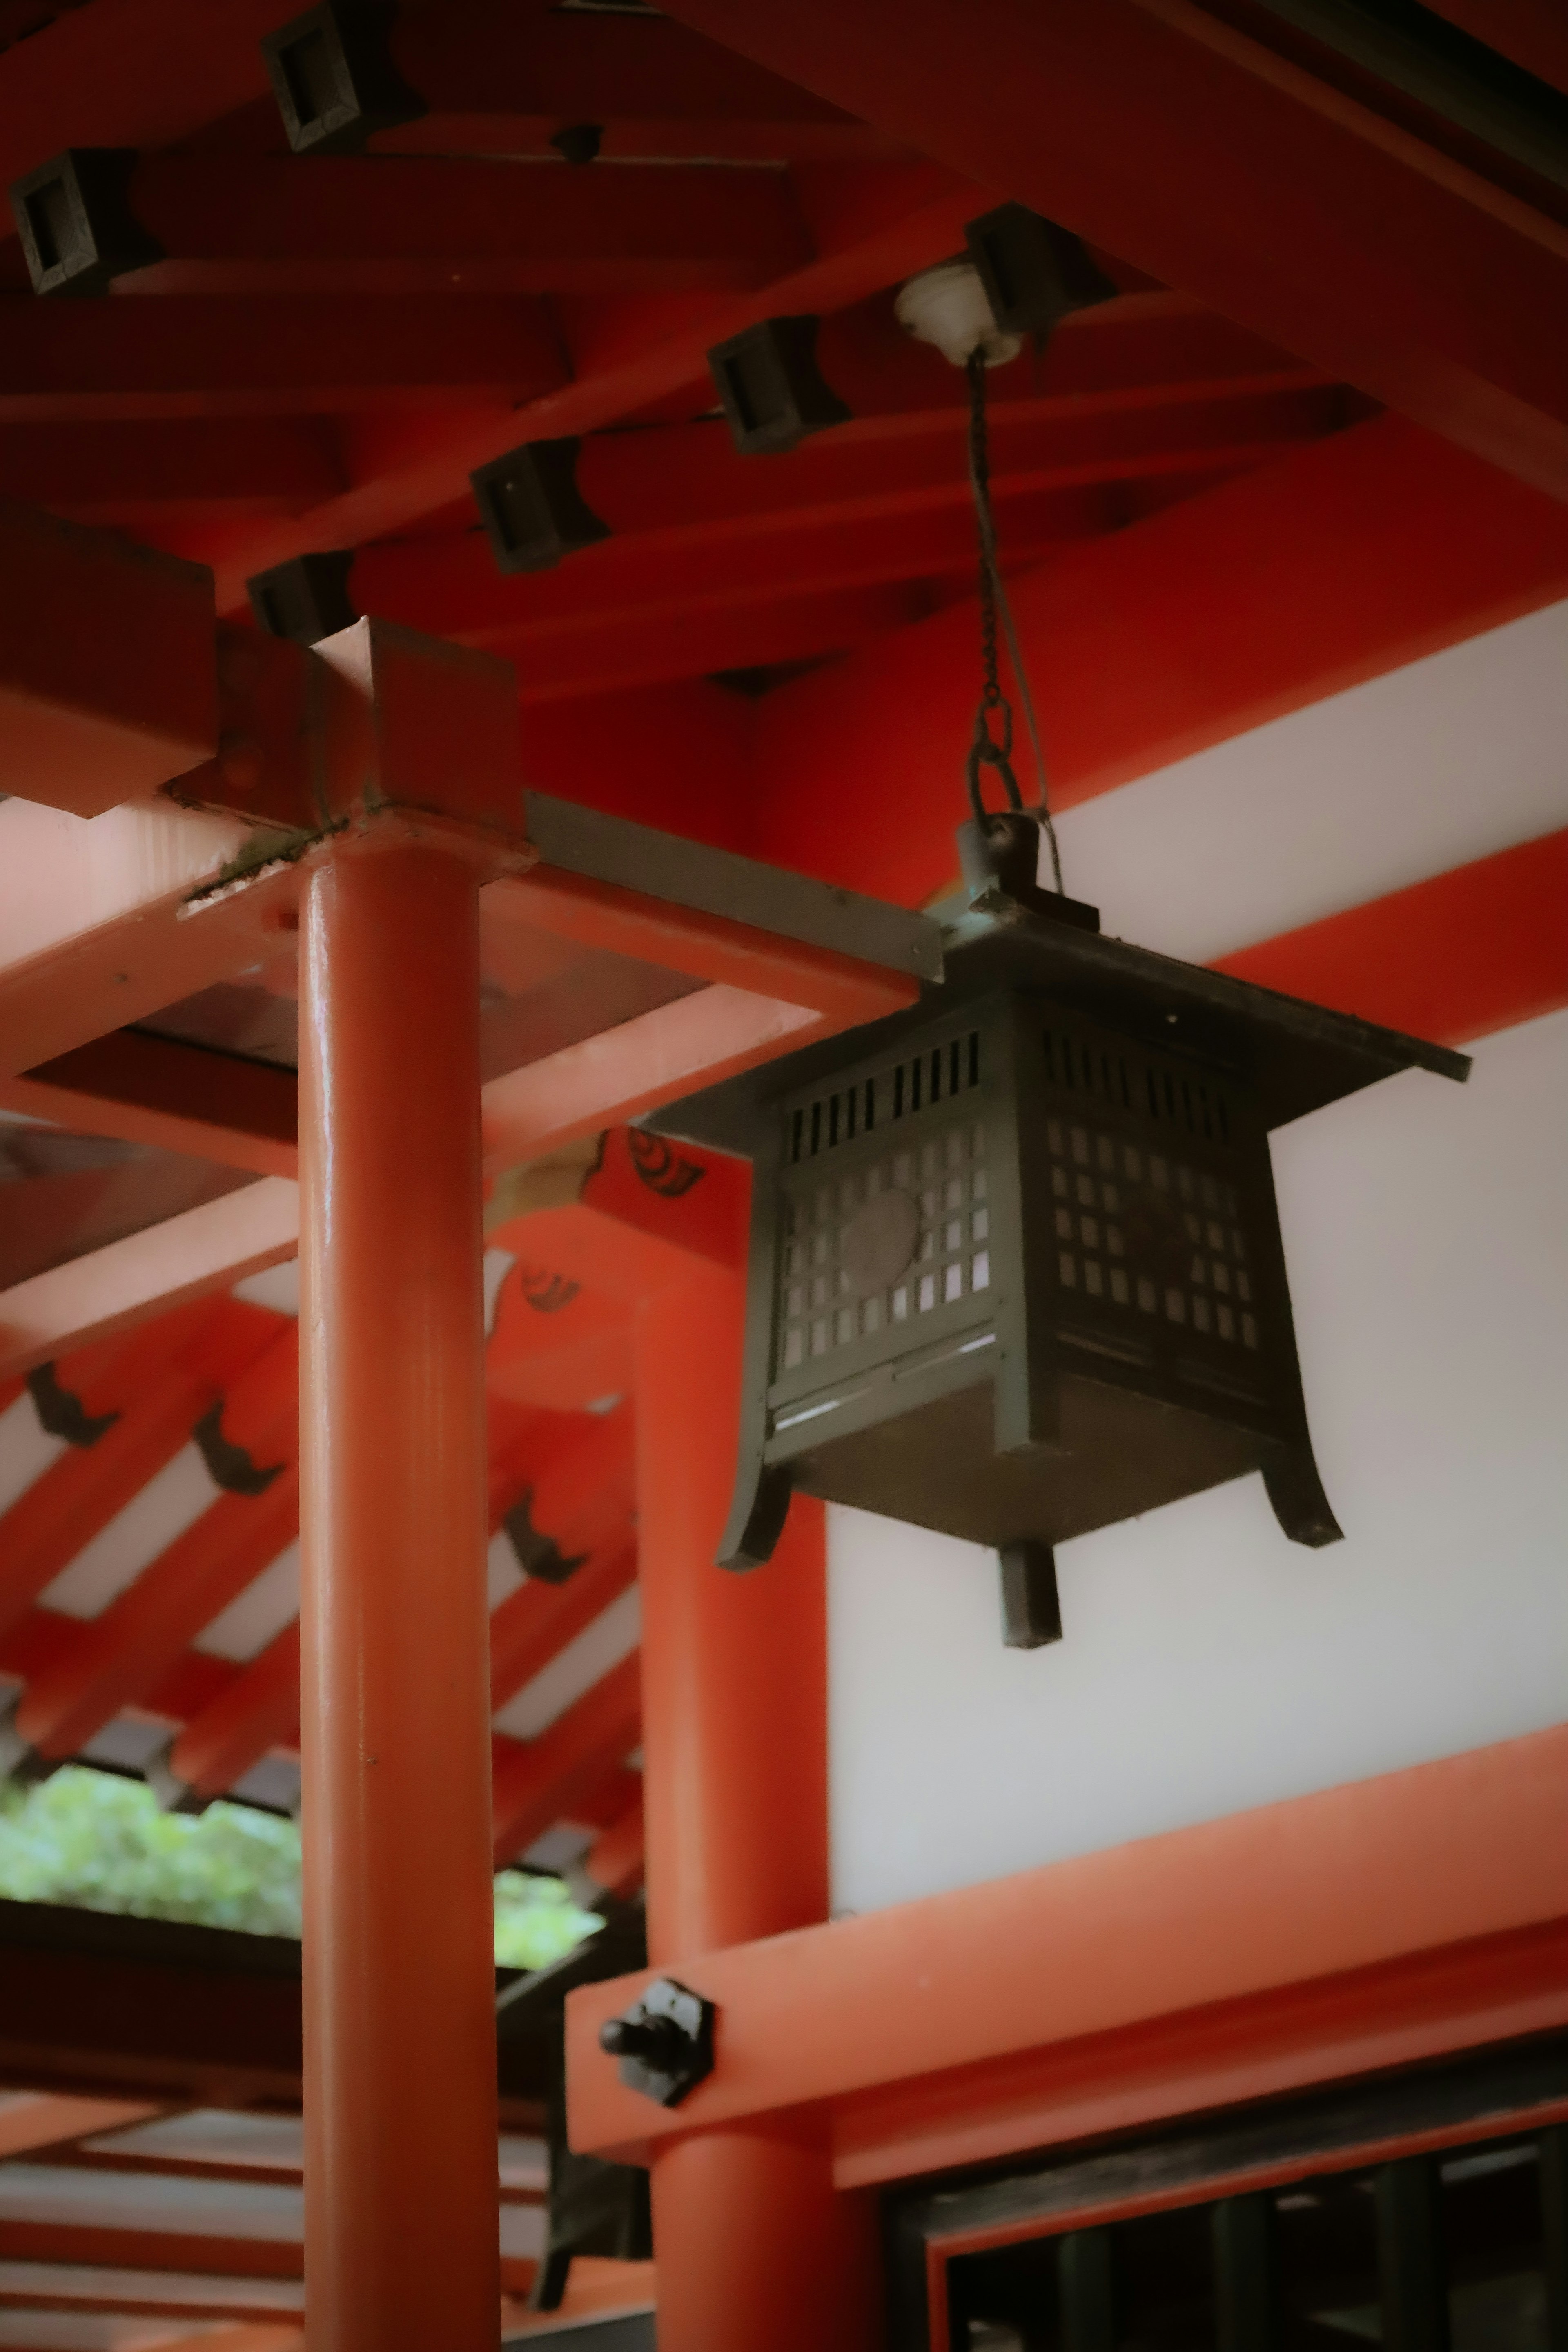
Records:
x=990, y=749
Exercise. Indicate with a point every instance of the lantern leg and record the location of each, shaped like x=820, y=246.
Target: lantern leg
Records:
x=757, y=1514
x=760, y=1503
x=1031, y=1605
x=1301, y=1505
x=401, y=2233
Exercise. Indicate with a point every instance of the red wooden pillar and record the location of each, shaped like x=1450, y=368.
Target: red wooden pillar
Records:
x=401, y=2238
x=756, y=2253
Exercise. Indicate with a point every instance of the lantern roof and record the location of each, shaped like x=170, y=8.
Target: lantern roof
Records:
x=1294, y=1056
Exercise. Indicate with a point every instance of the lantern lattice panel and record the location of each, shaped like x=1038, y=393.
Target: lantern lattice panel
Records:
x=916, y=1138
x=1157, y=1174
x=1093, y=1182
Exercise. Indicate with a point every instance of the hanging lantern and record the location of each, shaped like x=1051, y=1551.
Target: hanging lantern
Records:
x=1016, y=1269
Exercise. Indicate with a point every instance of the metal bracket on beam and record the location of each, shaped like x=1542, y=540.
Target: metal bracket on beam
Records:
x=334, y=78
x=1034, y=273
x=74, y=218
x=306, y=599
x=62, y=1413
x=664, y=2042
x=532, y=509
x=771, y=388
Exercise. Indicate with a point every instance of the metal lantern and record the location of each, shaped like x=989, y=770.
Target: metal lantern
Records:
x=1016, y=1269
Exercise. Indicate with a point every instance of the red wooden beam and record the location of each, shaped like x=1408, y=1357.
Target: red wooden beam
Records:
x=205, y=355
x=91, y=943
x=144, y=1630
x=107, y=679
x=259, y=224
x=628, y=581
x=111, y=2248
x=142, y=74
x=1457, y=957
x=624, y=355
x=574, y=1473
x=1119, y=390
x=580, y=1498
x=605, y=1800
x=536, y=1781
x=259, y=1709
x=154, y=1090
x=54, y=2120
x=534, y=1624
x=641, y=1225
x=196, y=469
x=886, y=497
x=1340, y=561
x=689, y=479
x=1534, y=32
x=578, y=1488
x=694, y=1205
x=679, y=488
x=554, y=1344
x=41, y=1638
x=187, y=1257
x=552, y=901
x=82, y=1490
x=701, y=638
x=1191, y=150
x=1144, y=346
x=614, y=1862
x=1035, y=1996
x=153, y=2299
x=501, y=80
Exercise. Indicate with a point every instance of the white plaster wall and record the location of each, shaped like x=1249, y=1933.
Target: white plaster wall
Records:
x=1208, y=1664
x=1427, y=767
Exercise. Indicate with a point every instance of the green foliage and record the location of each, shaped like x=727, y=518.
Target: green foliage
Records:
x=100, y=1841
x=537, y=1921
x=96, y=1840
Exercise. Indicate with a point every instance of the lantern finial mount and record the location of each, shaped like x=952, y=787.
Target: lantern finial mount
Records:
x=999, y=858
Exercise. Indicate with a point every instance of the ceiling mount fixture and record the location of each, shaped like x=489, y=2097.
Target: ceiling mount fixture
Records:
x=947, y=306
x=1020, y=276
